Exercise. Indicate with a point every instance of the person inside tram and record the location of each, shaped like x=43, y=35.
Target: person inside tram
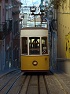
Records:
x=35, y=43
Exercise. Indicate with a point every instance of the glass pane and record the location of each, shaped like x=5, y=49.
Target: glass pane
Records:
x=34, y=45
x=24, y=45
x=44, y=45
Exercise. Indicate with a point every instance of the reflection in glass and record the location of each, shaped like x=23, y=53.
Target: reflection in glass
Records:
x=44, y=45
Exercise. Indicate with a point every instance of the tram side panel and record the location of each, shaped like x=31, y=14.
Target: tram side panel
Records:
x=35, y=62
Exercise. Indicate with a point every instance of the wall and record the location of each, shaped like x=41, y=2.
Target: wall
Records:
x=3, y=11
x=0, y=55
x=63, y=27
x=63, y=30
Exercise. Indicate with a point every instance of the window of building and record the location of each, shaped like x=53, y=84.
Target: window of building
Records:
x=24, y=45
x=34, y=45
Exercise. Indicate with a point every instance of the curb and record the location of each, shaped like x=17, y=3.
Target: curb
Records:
x=4, y=73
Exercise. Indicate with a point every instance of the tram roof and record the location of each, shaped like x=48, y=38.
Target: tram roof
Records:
x=33, y=32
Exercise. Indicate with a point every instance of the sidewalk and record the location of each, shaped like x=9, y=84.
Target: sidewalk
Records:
x=2, y=73
x=64, y=79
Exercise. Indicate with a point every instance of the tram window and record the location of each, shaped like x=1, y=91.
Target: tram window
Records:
x=44, y=45
x=24, y=45
x=34, y=45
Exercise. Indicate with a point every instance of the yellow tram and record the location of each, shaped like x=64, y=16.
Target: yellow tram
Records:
x=34, y=49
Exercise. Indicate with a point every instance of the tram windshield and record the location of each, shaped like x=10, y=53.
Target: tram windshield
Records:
x=34, y=45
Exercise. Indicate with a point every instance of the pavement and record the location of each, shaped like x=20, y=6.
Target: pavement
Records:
x=64, y=80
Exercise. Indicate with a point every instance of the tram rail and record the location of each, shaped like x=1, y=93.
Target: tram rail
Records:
x=9, y=79
x=34, y=84
x=42, y=84
x=8, y=85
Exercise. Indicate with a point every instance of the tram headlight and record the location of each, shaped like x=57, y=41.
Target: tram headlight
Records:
x=35, y=63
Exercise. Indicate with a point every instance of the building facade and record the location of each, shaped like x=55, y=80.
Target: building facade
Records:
x=63, y=35
x=63, y=27
x=9, y=33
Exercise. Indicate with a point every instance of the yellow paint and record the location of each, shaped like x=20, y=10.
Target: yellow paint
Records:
x=63, y=16
x=43, y=62
x=68, y=46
